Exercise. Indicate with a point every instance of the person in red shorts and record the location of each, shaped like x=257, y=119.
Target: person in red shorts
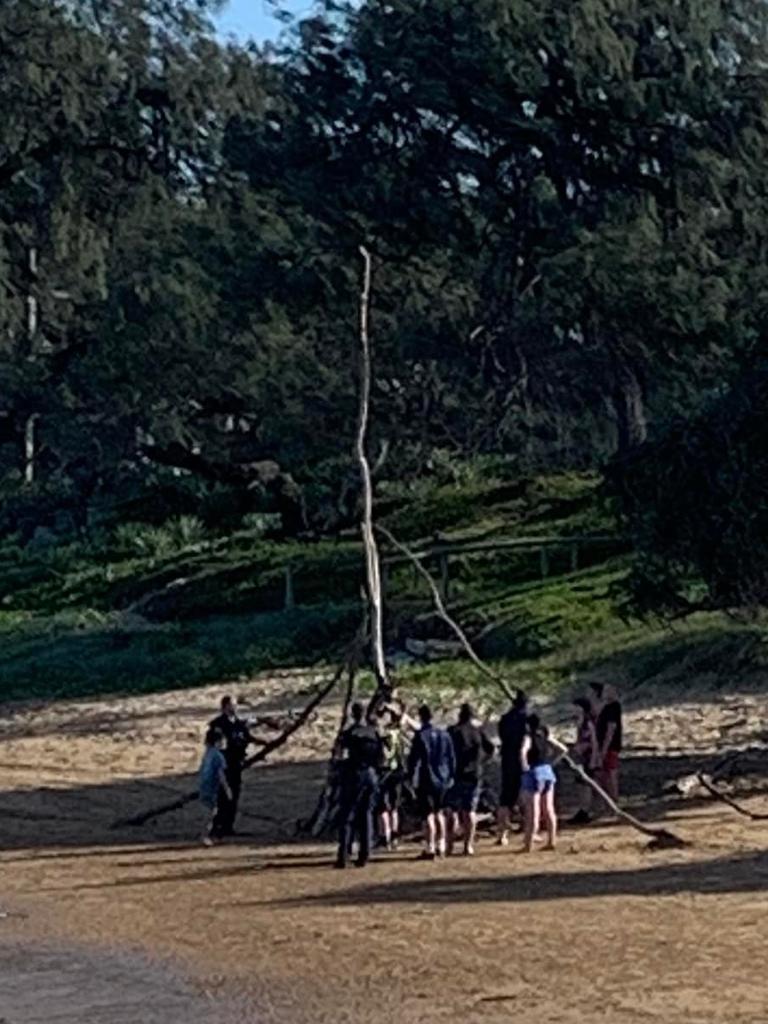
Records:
x=609, y=728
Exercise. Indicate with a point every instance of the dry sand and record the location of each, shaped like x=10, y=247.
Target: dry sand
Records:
x=601, y=931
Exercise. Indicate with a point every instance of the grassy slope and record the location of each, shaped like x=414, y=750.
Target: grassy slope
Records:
x=77, y=622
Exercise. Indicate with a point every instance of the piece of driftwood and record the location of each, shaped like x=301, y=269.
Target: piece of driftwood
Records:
x=444, y=614
x=269, y=748
x=372, y=563
x=724, y=798
x=661, y=838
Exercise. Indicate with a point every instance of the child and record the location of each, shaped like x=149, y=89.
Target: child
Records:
x=587, y=752
x=213, y=780
x=538, y=784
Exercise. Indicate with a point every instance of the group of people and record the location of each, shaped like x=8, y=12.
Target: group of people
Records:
x=445, y=773
x=443, y=770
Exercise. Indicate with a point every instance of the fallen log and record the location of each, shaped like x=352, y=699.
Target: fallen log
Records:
x=269, y=748
x=729, y=801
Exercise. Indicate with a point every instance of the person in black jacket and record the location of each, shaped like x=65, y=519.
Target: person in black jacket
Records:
x=512, y=731
x=237, y=737
x=362, y=755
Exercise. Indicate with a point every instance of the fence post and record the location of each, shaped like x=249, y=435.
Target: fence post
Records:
x=445, y=581
x=544, y=559
x=290, y=600
x=574, y=557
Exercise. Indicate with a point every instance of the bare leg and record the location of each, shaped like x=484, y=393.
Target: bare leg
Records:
x=470, y=830
x=551, y=817
x=430, y=832
x=502, y=821
x=442, y=830
x=612, y=783
x=386, y=828
x=532, y=818
x=394, y=817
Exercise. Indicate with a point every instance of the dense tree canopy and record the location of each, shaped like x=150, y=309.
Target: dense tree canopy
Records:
x=566, y=202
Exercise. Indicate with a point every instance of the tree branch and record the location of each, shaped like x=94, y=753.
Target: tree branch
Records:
x=372, y=566
x=442, y=611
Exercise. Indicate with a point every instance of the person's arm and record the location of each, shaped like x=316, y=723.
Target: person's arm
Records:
x=414, y=756
x=525, y=746
x=452, y=757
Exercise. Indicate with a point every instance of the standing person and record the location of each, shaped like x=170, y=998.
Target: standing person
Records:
x=361, y=747
x=610, y=738
x=431, y=769
x=238, y=737
x=538, y=785
x=587, y=751
x=472, y=749
x=213, y=780
x=391, y=784
x=512, y=730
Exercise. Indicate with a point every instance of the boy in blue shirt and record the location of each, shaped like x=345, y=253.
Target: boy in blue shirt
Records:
x=213, y=780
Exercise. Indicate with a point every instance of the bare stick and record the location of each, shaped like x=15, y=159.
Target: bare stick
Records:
x=372, y=566
x=718, y=795
x=261, y=755
x=660, y=836
x=442, y=611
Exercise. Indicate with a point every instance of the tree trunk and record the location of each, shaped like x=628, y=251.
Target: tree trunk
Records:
x=628, y=403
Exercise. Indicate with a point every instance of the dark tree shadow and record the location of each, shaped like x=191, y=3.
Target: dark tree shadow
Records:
x=745, y=873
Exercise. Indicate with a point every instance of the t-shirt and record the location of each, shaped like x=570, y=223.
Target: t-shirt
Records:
x=211, y=767
x=472, y=749
x=610, y=713
x=512, y=730
x=362, y=745
x=432, y=759
x=392, y=741
x=237, y=736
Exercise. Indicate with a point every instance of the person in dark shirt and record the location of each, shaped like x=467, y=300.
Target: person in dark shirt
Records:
x=538, y=784
x=609, y=728
x=363, y=754
x=512, y=731
x=472, y=749
x=237, y=738
x=432, y=769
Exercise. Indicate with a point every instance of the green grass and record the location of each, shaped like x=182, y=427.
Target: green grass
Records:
x=144, y=611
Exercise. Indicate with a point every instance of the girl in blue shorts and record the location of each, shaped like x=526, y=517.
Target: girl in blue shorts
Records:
x=538, y=784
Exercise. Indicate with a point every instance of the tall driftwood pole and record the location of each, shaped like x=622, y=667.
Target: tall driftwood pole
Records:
x=372, y=565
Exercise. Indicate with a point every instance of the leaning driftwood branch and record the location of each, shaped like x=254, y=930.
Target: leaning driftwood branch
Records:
x=268, y=748
x=372, y=566
x=660, y=837
x=718, y=795
x=442, y=611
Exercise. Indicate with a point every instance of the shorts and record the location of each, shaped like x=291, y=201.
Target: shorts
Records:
x=391, y=791
x=431, y=799
x=540, y=779
x=611, y=762
x=464, y=796
x=510, y=789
